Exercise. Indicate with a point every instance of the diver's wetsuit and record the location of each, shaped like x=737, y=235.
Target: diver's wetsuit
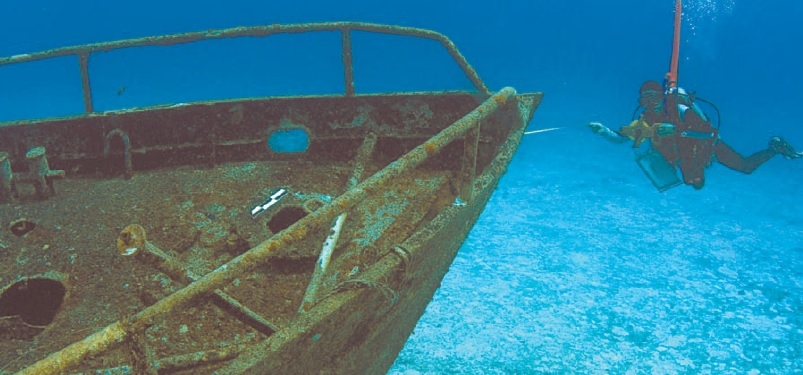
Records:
x=697, y=153
x=695, y=143
x=684, y=138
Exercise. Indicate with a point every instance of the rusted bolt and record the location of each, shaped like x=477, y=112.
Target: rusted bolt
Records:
x=430, y=148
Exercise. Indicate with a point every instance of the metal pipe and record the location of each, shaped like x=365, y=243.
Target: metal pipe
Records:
x=114, y=334
x=188, y=361
x=311, y=295
x=180, y=362
x=133, y=241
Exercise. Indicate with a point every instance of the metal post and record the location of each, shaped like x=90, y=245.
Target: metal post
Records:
x=86, y=88
x=39, y=171
x=348, y=65
x=6, y=178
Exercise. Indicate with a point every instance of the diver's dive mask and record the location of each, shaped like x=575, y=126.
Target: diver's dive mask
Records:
x=651, y=99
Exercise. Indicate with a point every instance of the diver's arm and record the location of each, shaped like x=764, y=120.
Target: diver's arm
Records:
x=609, y=134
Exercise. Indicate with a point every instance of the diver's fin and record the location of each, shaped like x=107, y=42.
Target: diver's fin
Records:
x=783, y=147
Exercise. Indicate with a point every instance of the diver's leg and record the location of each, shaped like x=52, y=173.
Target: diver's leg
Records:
x=728, y=157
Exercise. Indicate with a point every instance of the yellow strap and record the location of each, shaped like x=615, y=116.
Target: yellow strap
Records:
x=638, y=131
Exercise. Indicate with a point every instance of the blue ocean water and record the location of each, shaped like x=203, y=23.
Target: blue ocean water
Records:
x=577, y=264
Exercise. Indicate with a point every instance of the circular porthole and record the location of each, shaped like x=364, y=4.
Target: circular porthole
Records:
x=288, y=140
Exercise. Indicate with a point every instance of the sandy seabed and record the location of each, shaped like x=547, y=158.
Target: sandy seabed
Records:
x=578, y=265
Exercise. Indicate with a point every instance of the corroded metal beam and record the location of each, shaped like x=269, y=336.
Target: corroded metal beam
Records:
x=180, y=362
x=133, y=241
x=311, y=295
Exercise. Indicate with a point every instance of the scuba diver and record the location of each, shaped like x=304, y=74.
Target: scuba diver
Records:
x=681, y=136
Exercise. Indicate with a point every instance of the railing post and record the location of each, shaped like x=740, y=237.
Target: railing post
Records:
x=348, y=67
x=463, y=63
x=83, y=62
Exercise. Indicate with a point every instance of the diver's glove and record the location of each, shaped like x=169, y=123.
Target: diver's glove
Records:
x=604, y=131
x=597, y=127
x=779, y=145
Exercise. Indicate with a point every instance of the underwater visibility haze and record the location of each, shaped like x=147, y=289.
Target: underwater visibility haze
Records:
x=577, y=264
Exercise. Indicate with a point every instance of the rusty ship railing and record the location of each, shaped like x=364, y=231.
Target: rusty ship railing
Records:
x=85, y=51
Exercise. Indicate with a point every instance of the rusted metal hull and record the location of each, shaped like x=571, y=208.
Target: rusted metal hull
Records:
x=361, y=332
x=234, y=254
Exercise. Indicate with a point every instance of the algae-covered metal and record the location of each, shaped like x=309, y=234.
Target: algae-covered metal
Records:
x=169, y=269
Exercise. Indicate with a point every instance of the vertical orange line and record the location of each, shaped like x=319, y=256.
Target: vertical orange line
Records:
x=672, y=76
